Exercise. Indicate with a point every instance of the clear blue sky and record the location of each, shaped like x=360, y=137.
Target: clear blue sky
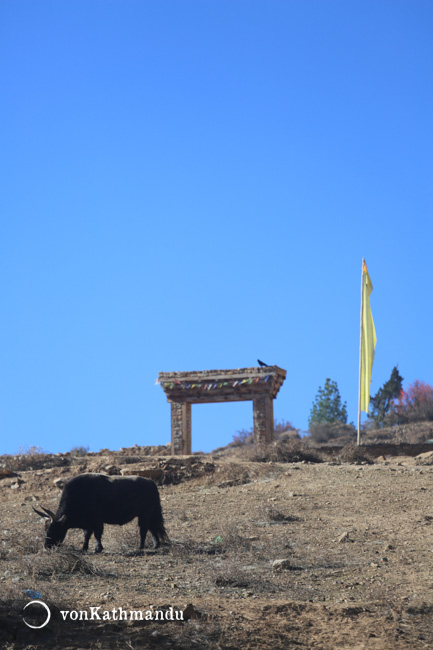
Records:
x=193, y=185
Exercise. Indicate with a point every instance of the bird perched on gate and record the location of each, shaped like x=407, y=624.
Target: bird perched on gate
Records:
x=263, y=365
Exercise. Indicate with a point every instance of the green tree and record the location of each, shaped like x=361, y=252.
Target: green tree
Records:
x=382, y=403
x=327, y=407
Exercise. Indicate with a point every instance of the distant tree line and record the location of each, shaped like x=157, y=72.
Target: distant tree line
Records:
x=391, y=405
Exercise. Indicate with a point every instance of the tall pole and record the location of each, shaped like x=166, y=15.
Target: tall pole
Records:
x=360, y=355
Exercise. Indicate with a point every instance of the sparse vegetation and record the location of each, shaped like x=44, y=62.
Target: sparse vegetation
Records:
x=290, y=451
x=58, y=562
x=230, y=474
x=282, y=429
x=354, y=454
x=79, y=451
x=335, y=432
x=243, y=436
x=272, y=513
x=30, y=451
x=31, y=461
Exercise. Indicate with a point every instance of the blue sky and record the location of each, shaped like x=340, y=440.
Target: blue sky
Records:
x=193, y=185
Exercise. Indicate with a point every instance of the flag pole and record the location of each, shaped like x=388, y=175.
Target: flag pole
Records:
x=360, y=355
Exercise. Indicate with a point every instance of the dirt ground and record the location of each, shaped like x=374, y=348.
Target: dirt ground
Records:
x=269, y=555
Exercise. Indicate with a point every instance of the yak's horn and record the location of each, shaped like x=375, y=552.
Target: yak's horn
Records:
x=49, y=512
x=42, y=514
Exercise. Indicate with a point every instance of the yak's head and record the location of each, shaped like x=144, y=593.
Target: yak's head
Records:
x=55, y=529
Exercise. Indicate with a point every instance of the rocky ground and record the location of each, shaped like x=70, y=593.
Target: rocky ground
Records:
x=264, y=555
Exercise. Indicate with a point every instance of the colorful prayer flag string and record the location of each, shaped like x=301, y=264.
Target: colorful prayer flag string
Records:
x=212, y=385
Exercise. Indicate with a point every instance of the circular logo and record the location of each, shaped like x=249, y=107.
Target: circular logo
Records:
x=38, y=602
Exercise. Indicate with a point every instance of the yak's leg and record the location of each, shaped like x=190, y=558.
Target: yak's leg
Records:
x=98, y=530
x=155, y=538
x=87, y=536
x=143, y=525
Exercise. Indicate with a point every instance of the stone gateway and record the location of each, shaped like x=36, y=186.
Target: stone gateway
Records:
x=260, y=385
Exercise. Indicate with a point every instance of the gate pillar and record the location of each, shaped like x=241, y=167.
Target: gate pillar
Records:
x=180, y=428
x=263, y=419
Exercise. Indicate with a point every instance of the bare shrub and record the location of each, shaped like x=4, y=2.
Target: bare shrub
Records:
x=282, y=430
x=227, y=540
x=202, y=631
x=413, y=433
x=229, y=474
x=285, y=430
x=290, y=451
x=79, y=451
x=244, y=436
x=31, y=461
x=271, y=513
x=61, y=561
x=336, y=431
x=144, y=450
x=187, y=549
x=354, y=454
x=231, y=540
x=232, y=575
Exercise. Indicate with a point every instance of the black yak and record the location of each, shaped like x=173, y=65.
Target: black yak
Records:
x=89, y=501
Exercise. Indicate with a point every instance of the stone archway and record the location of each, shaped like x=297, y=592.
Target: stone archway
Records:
x=259, y=385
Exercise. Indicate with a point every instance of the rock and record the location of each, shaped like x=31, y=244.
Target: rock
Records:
x=190, y=612
x=59, y=483
x=345, y=537
x=7, y=473
x=281, y=565
x=112, y=470
x=426, y=456
x=147, y=473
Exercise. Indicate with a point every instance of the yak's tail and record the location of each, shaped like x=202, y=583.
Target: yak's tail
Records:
x=162, y=534
x=157, y=526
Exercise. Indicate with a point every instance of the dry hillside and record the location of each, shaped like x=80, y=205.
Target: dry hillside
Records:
x=269, y=554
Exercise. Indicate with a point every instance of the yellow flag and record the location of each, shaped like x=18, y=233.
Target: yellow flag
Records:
x=368, y=341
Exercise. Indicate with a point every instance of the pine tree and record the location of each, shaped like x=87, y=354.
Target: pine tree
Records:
x=327, y=407
x=382, y=402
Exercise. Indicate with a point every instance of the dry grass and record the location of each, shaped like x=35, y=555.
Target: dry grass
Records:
x=229, y=474
x=273, y=514
x=58, y=562
x=31, y=461
x=351, y=453
x=287, y=451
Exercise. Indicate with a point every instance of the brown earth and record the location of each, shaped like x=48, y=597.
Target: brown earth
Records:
x=356, y=540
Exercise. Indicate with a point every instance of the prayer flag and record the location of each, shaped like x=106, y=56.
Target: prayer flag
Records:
x=368, y=341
